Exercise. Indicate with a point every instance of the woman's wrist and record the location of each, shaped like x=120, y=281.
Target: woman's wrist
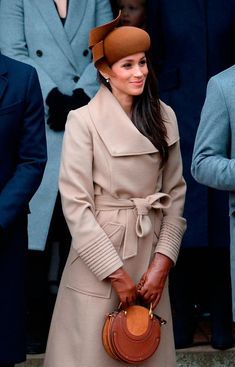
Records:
x=162, y=262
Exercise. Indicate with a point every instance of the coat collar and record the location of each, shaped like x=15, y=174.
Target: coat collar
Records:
x=75, y=16
x=49, y=13
x=117, y=131
x=3, y=76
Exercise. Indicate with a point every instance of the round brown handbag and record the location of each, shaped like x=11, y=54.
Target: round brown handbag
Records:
x=132, y=335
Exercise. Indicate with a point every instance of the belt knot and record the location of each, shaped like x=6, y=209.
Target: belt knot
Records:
x=143, y=222
x=135, y=227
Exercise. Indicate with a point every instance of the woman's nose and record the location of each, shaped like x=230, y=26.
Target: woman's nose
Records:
x=138, y=71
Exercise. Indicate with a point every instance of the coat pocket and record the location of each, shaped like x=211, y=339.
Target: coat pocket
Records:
x=115, y=232
x=80, y=277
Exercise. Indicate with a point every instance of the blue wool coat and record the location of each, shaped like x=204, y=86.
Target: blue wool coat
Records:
x=214, y=152
x=31, y=31
x=193, y=40
x=22, y=162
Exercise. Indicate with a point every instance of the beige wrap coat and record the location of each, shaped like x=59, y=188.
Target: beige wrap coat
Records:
x=121, y=208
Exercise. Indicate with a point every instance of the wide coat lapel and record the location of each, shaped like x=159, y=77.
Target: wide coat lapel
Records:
x=117, y=131
x=75, y=15
x=49, y=14
x=3, y=77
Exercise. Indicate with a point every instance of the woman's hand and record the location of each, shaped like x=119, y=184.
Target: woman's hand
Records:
x=152, y=282
x=124, y=287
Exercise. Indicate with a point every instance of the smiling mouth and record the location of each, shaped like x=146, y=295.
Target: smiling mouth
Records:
x=138, y=82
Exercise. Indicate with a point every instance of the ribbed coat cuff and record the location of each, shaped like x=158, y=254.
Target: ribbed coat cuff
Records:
x=171, y=233
x=101, y=257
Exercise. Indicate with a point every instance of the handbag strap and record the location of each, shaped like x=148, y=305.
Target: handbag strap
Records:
x=151, y=314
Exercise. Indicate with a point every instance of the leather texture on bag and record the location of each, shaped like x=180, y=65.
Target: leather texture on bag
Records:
x=132, y=335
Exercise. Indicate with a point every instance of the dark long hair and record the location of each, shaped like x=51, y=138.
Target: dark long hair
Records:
x=146, y=113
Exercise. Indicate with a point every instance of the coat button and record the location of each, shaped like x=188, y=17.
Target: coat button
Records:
x=76, y=78
x=39, y=53
x=85, y=52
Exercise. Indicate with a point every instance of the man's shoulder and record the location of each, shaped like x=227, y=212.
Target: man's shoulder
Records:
x=225, y=76
x=223, y=82
x=14, y=66
x=19, y=77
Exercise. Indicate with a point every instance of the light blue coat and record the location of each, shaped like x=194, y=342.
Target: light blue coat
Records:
x=214, y=151
x=31, y=31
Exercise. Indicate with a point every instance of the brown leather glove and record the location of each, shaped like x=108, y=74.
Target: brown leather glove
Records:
x=152, y=282
x=123, y=286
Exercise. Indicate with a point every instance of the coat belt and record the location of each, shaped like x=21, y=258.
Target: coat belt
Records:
x=138, y=223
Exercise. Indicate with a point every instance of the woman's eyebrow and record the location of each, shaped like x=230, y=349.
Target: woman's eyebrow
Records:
x=142, y=58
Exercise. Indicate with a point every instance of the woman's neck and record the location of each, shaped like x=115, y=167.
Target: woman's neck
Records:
x=126, y=102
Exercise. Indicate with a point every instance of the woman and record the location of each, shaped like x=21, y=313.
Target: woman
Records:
x=122, y=194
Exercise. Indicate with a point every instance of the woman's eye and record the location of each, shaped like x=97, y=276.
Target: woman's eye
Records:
x=142, y=62
x=127, y=65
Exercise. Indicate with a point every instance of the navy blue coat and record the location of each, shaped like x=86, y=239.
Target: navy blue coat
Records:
x=193, y=40
x=22, y=162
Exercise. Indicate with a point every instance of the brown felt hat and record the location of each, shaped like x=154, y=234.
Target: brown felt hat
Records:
x=110, y=44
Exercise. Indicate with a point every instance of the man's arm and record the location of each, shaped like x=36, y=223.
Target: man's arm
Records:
x=211, y=164
x=31, y=157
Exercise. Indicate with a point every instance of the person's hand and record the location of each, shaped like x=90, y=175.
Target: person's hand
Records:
x=58, y=109
x=152, y=282
x=61, y=104
x=79, y=98
x=57, y=119
x=55, y=98
x=124, y=287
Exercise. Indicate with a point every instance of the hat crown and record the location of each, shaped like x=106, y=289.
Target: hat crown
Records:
x=110, y=43
x=125, y=41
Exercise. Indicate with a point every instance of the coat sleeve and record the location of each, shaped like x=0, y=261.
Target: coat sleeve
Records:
x=173, y=224
x=13, y=42
x=31, y=156
x=77, y=192
x=211, y=164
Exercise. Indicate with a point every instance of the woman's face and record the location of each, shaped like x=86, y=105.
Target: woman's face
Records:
x=133, y=13
x=130, y=76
